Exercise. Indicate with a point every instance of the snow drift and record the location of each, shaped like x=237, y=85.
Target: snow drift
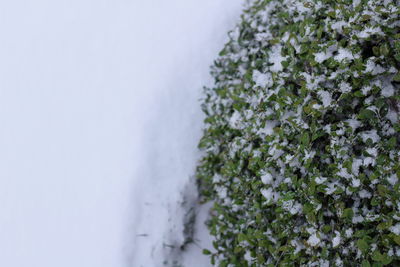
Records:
x=98, y=113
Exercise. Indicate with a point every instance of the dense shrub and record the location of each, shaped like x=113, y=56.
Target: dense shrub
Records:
x=302, y=136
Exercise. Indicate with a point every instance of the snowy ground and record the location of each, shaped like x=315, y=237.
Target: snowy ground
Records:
x=99, y=122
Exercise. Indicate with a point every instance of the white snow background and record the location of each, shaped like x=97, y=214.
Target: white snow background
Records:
x=99, y=122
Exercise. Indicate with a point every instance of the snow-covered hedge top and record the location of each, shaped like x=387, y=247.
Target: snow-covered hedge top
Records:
x=302, y=136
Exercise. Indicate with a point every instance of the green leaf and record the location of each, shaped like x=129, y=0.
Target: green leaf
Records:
x=386, y=259
x=376, y=51
x=375, y=201
x=384, y=49
x=362, y=245
x=382, y=190
x=206, y=252
x=377, y=256
x=358, y=93
x=397, y=77
x=305, y=138
x=237, y=250
x=241, y=237
x=384, y=225
x=366, y=114
x=396, y=239
x=348, y=213
x=392, y=142
x=326, y=228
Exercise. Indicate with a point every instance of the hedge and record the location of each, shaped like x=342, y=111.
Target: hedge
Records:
x=301, y=144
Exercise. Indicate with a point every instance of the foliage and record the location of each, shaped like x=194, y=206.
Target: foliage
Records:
x=301, y=144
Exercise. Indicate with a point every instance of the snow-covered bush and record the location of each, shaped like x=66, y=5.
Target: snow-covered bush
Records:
x=302, y=152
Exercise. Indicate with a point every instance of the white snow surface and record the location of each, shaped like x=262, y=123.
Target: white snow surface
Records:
x=267, y=178
x=262, y=79
x=344, y=54
x=336, y=240
x=313, y=240
x=100, y=120
x=326, y=98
